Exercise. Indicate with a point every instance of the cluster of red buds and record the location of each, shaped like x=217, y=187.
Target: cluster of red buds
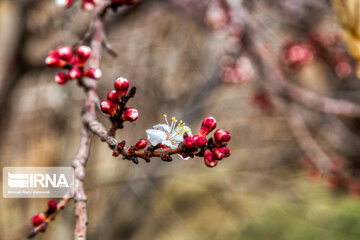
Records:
x=297, y=54
x=326, y=48
x=115, y=105
x=74, y=61
x=87, y=5
x=40, y=218
x=213, y=149
x=235, y=67
x=334, y=180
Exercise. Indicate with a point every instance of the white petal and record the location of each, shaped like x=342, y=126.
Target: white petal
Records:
x=155, y=136
x=178, y=138
x=187, y=158
x=169, y=144
x=162, y=127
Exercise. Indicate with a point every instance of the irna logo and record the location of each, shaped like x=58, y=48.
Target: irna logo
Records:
x=18, y=180
x=37, y=182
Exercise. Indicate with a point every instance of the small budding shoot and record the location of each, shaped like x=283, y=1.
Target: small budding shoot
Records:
x=115, y=105
x=176, y=135
x=41, y=218
x=74, y=61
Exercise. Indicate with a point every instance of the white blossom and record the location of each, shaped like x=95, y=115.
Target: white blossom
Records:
x=169, y=135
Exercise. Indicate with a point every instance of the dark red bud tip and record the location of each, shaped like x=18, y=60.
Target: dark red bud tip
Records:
x=121, y=84
x=189, y=142
x=94, y=73
x=38, y=219
x=107, y=107
x=200, y=141
x=218, y=154
x=131, y=114
x=52, y=205
x=83, y=53
x=185, y=155
x=75, y=73
x=141, y=144
x=221, y=136
x=209, y=159
x=61, y=78
x=226, y=151
x=113, y=96
x=65, y=53
x=207, y=126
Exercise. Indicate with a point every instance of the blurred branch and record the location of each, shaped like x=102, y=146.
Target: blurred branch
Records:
x=284, y=88
x=298, y=94
x=306, y=141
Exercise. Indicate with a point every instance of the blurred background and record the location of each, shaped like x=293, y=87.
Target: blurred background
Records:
x=185, y=62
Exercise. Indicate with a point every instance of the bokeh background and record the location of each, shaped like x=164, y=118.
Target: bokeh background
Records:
x=169, y=51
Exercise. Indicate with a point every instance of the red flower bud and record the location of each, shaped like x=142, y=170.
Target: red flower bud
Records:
x=141, y=144
x=88, y=5
x=54, y=61
x=209, y=159
x=113, y=96
x=297, y=54
x=218, y=154
x=121, y=84
x=107, y=107
x=61, y=78
x=189, y=142
x=93, y=73
x=83, y=53
x=221, y=136
x=75, y=73
x=225, y=150
x=52, y=205
x=65, y=53
x=38, y=219
x=200, y=141
x=131, y=114
x=185, y=155
x=207, y=126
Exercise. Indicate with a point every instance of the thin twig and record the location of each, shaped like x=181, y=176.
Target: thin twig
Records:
x=60, y=206
x=306, y=141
